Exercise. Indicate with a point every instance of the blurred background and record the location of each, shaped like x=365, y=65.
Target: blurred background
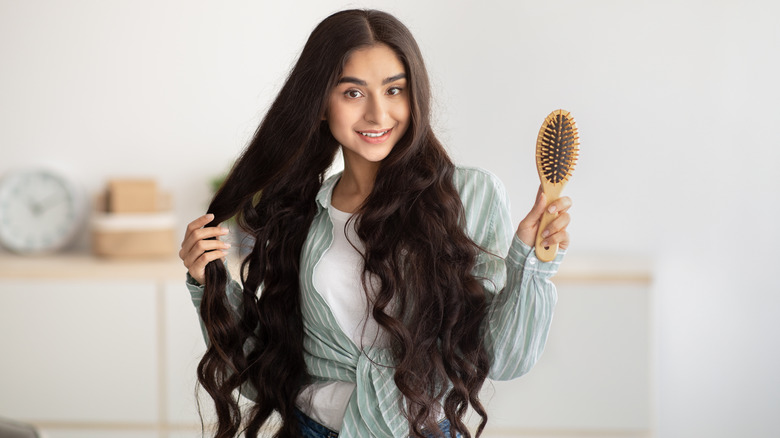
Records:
x=674, y=218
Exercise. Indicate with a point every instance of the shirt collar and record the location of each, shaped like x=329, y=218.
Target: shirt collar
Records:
x=326, y=191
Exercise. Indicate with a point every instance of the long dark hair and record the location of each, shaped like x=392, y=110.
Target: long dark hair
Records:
x=412, y=224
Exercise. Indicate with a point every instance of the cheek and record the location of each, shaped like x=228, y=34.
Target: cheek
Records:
x=341, y=122
x=335, y=118
x=341, y=114
x=403, y=115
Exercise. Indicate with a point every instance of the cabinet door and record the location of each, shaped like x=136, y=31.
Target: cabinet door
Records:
x=594, y=376
x=184, y=348
x=78, y=351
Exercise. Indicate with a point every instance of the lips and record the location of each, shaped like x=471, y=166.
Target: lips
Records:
x=376, y=135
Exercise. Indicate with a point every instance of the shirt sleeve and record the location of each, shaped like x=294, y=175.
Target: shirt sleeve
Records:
x=521, y=296
x=233, y=290
x=520, y=315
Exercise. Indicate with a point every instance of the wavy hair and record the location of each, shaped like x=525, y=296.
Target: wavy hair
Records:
x=430, y=305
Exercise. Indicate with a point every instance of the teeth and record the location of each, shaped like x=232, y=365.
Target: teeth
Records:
x=374, y=134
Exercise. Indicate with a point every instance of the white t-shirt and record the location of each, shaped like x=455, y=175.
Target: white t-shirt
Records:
x=338, y=278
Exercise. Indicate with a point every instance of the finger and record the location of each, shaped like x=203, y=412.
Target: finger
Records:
x=560, y=205
x=558, y=224
x=561, y=238
x=195, y=236
x=192, y=246
x=201, y=247
x=196, y=225
x=537, y=210
x=205, y=233
x=564, y=243
x=198, y=269
x=200, y=222
x=539, y=204
x=526, y=229
x=206, y=258
x=199, y=262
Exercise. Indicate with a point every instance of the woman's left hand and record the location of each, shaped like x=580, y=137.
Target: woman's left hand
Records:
x=556, y=229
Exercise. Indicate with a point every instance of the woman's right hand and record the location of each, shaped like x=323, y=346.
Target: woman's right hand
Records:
x=197, y=250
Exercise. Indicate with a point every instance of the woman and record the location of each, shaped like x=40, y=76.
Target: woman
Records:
x=377, y=302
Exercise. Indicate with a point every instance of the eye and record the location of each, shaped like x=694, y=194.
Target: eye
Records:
x=353, y=94
x=393, y=91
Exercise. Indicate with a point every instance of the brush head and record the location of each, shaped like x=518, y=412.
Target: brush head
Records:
x=557, y=147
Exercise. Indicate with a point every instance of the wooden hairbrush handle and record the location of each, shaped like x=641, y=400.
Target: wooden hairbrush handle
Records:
x=547, y=253
x=557, y=150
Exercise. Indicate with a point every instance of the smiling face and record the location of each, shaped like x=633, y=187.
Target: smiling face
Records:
x=368, y=110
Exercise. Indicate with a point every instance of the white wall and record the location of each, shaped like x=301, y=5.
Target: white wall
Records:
x=676, y=103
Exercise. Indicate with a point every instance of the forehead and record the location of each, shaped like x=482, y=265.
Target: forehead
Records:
x=373, y=62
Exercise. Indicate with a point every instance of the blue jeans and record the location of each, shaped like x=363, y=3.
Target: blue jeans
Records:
x=312, y=429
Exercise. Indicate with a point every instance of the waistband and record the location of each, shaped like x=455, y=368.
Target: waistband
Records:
x=444, y=426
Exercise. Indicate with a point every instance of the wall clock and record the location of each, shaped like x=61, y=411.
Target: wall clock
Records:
x=41, y=211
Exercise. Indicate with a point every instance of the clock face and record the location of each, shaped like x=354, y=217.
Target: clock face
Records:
x=40, y=211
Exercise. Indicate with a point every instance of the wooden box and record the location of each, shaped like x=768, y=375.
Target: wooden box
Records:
x=133, y=235
x=133, y=196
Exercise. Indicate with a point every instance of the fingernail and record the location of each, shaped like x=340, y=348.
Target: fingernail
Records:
x=224, y=230
x=210, y=216
x=551, y=209
x=545, y=243
x=545, y=233
x=227, y=245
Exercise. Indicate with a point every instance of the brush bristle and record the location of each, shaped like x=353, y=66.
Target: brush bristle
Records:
x=557, y=147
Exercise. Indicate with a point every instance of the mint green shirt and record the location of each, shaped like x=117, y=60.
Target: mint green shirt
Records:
x=520, y=293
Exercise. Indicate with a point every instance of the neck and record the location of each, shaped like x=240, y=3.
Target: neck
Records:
x=354, y=186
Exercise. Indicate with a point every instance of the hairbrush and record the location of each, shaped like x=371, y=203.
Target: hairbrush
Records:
x=557, y=149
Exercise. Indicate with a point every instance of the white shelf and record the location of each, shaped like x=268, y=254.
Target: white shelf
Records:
x=89, y=267
x=579, y=268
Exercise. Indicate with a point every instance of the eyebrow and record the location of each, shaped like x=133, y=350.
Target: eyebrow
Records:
x=356, y=81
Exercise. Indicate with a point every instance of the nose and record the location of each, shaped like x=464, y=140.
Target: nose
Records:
x=376, y=110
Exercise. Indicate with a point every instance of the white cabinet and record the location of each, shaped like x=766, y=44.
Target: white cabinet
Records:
x=78, y=351
x=594, y=378
x=184, y=347
x=92, y=348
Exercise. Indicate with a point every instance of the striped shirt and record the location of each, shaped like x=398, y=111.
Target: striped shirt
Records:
x=520, y=294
